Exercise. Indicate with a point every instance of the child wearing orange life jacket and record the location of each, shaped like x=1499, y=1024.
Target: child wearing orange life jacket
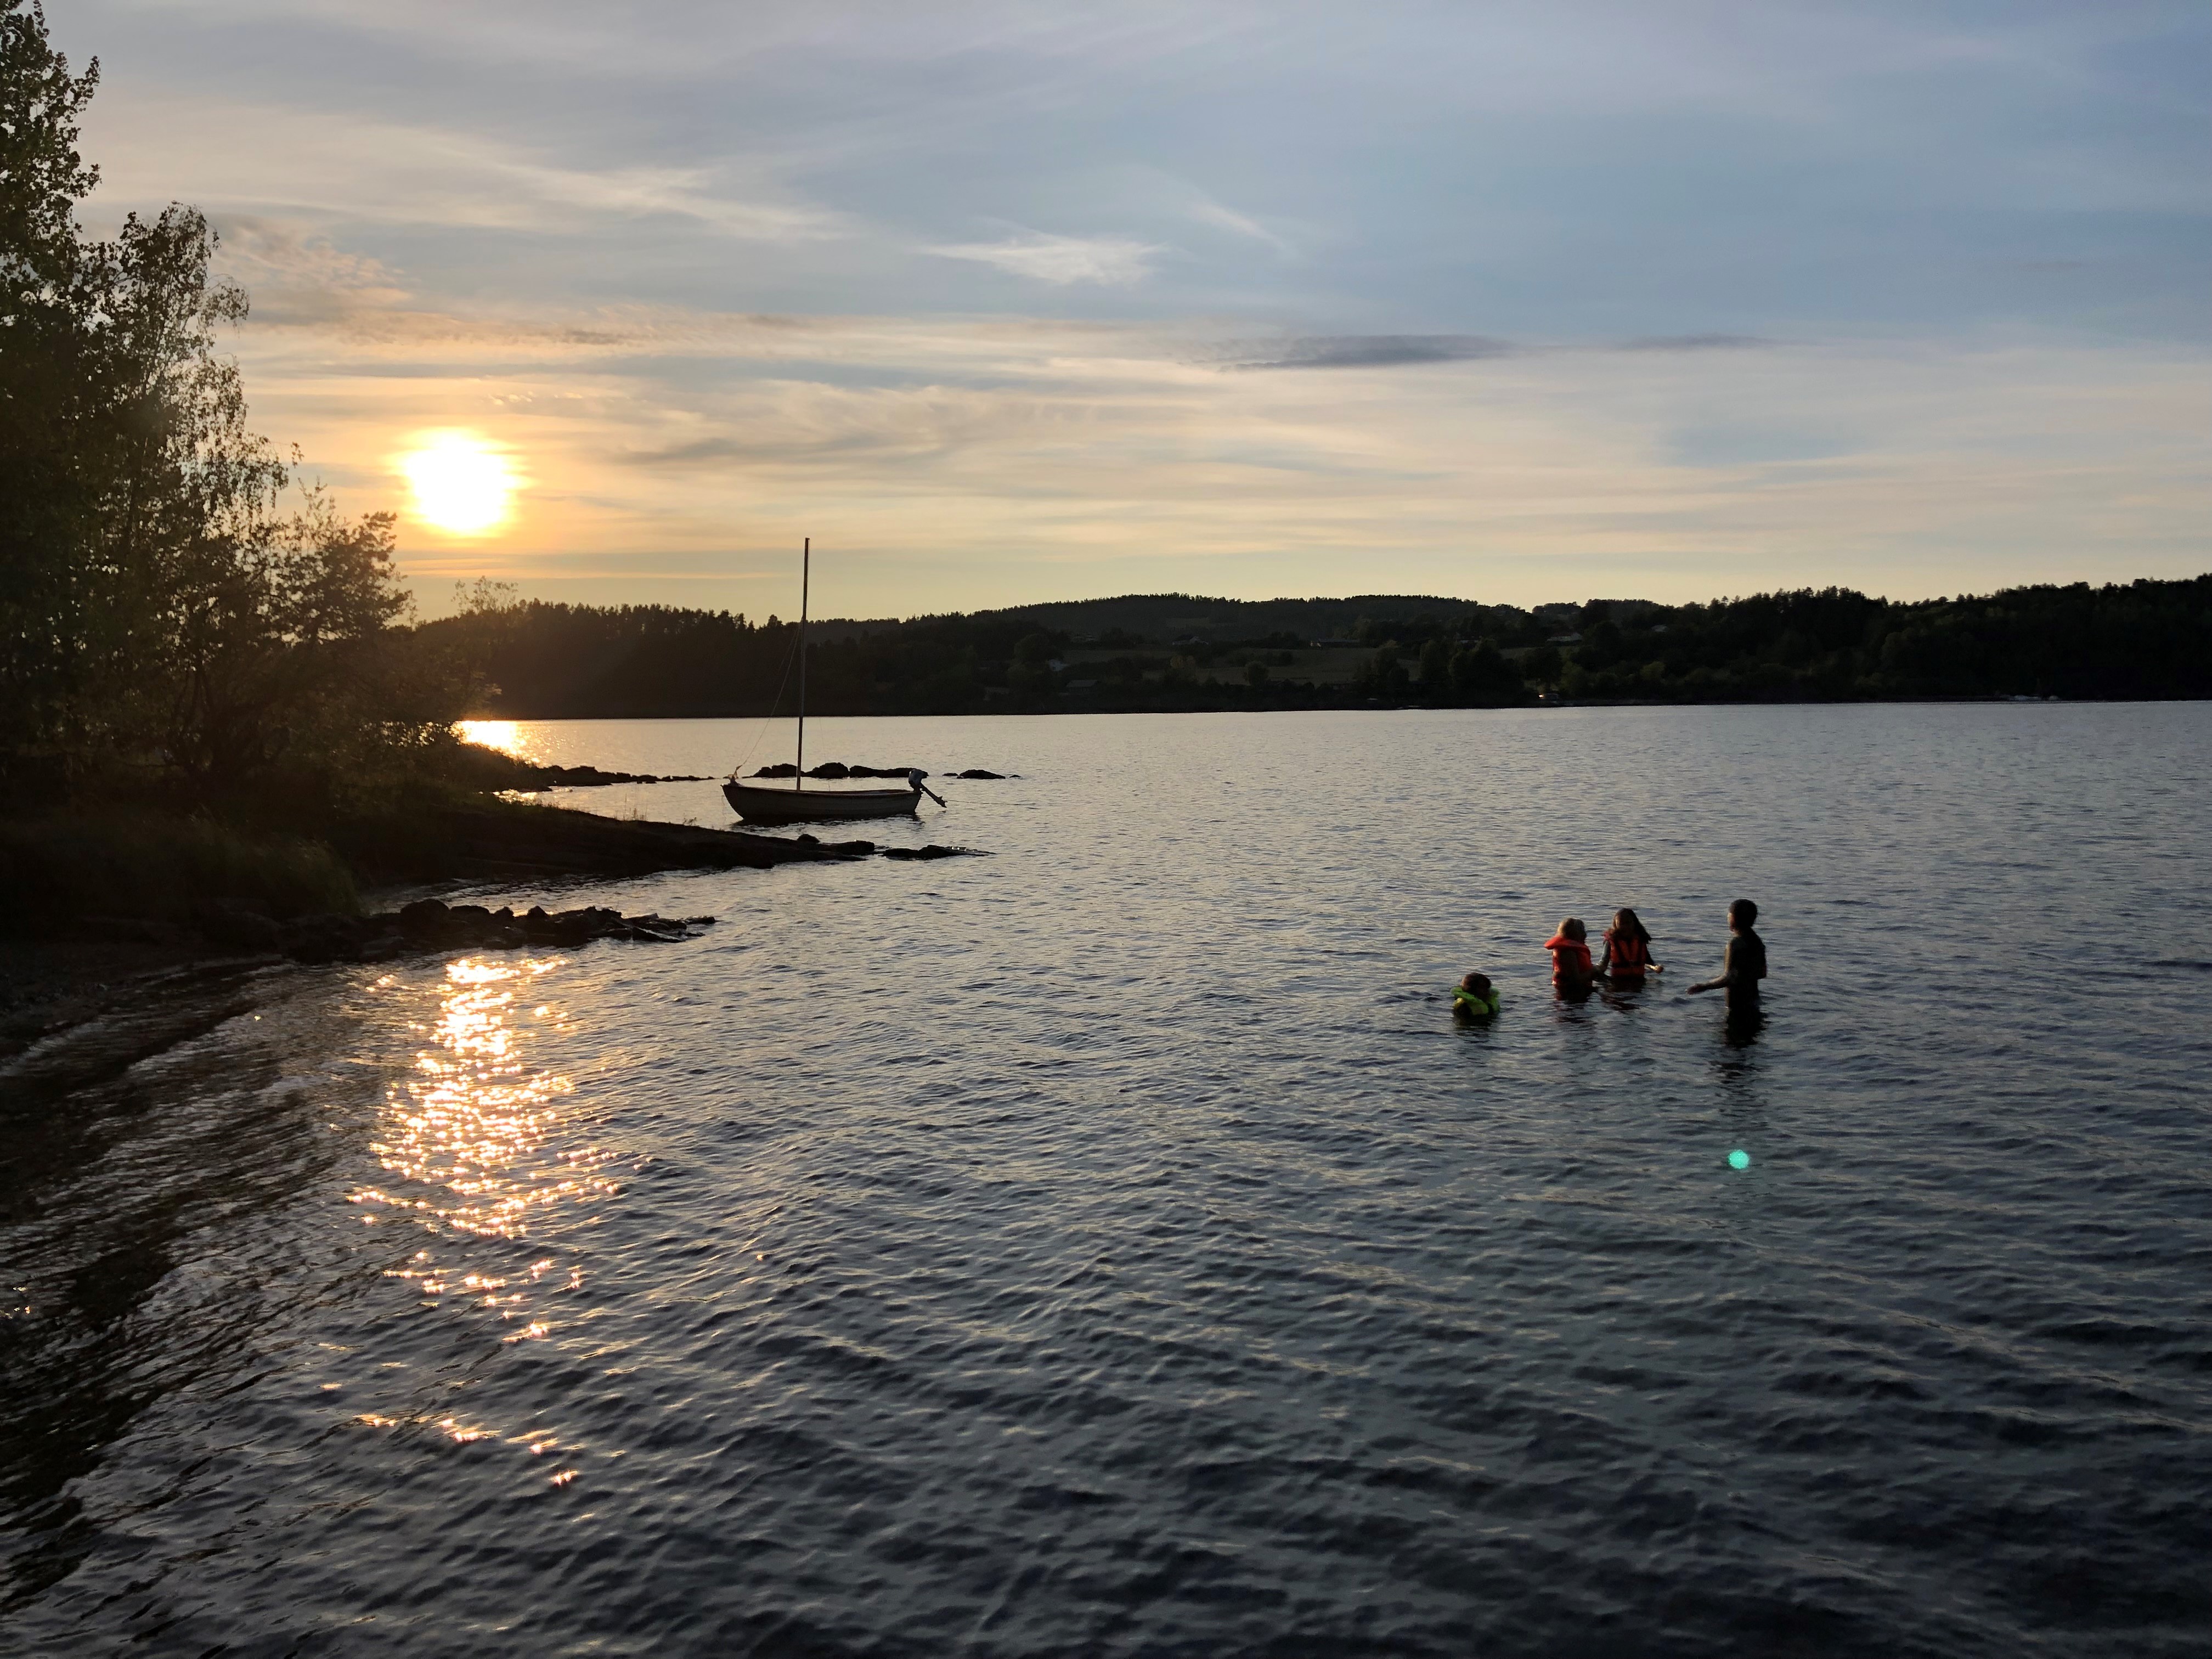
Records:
x=1570, y=958
x=1627, y=955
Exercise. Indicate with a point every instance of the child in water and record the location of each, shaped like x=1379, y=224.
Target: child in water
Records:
x=1570, y=959
x=1627, y=955
x=1474, y=996
x=1743, y=964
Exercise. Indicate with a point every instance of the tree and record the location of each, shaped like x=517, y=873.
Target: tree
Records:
x=1436, y=668
x=1481, y=675
x=1384, y=676
x=44, y=344
x=158, y=610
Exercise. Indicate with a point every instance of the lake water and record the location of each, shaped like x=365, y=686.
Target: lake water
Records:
x=1113, y=1247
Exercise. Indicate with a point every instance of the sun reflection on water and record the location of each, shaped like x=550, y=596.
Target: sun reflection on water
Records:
x=506, y=736
x=473, y=1137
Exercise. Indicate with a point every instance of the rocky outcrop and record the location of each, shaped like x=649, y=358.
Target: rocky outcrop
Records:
x=590, y=777
x=430, y=924
x=534, y=842
x=836, y=769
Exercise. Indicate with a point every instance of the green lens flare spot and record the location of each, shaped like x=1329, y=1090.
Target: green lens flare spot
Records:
x=1738, y=1159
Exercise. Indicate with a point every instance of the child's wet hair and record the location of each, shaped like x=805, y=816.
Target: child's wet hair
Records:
x=1476, y=982
x=1742, y=912
x=1572, y=928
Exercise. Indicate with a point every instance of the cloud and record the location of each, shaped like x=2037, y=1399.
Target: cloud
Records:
x=329, y=166
x=1692, y=343
x=1117, y=261
x=297, y=278
x=1363, y=350
x=1207, y=211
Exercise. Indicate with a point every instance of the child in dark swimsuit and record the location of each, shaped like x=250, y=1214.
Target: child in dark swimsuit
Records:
x=1570, y=959
x=1743, y=964
x=1627, y=952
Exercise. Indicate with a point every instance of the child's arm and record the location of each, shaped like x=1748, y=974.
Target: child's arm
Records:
x=1726, y=976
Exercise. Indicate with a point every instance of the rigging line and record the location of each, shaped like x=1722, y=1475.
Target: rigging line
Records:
x=775, y=703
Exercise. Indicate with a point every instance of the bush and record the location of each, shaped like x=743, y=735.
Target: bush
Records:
x=57, y=869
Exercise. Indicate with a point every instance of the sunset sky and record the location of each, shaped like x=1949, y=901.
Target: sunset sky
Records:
x=1004, y=303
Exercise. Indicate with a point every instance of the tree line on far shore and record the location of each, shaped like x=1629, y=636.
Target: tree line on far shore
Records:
x=2138, y=639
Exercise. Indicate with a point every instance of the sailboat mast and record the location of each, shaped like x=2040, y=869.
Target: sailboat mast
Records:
x=806, y=578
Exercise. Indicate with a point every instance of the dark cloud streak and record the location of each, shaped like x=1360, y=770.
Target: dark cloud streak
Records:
x=1693, y=342
x=1363, y=351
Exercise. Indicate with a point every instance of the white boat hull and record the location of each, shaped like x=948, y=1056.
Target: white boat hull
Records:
x=758, y=804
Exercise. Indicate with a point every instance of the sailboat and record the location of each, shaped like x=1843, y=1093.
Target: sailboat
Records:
x=759, y=803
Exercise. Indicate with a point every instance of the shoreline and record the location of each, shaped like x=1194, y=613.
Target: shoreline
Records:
x=1369, y=706
x=76, y=971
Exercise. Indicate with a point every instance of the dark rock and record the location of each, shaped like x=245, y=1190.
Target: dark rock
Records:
x=325, y=937
x=978, y=772
x=239, y=929
x=590, y=777
x=833, y=770
x=130, y=930
x=425, y=918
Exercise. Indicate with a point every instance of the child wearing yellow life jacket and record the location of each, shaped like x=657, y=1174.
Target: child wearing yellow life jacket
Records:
x=1475, y=997
x=1627, y=952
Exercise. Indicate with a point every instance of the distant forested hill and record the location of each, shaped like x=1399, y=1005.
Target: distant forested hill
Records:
x=1178, y=650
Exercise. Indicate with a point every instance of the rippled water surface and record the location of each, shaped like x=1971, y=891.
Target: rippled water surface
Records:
x=1113, y=1246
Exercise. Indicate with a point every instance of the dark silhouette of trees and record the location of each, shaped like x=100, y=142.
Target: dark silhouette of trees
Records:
x=165, y=623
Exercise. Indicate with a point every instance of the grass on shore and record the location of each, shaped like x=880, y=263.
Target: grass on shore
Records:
x=56, y=869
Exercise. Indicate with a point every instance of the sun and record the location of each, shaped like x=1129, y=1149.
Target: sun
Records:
x=461, y=483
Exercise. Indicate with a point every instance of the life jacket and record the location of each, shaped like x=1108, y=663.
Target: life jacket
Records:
x=1564, y=951
x=1475, y=1002
x=1630, y=955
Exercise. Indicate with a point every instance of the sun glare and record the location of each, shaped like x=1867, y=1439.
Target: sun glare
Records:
x=461, y=483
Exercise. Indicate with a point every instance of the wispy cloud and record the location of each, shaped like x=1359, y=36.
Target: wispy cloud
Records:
x=1692, y=343
x=1361, y=351
x=283, y=161
x=1114, y=261
x=1207, y=211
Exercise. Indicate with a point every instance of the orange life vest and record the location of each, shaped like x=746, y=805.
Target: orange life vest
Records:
x=1565, y=951
x=1631, y=956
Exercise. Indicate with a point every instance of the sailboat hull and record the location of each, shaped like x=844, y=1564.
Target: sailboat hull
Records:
x=757, y=804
